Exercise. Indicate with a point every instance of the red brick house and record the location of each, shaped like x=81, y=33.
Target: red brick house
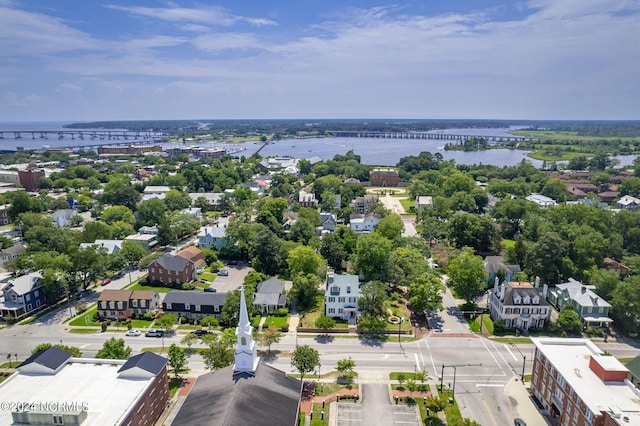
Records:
x=172, y=269
x=195, y=255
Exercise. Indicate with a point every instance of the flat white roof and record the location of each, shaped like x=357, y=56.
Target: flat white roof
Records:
x=92, y=382
x=571, y=358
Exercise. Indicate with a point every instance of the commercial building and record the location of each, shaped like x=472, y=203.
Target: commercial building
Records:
x=384, y=177
x=578, y=384
x=30, y=178
x=52, y=387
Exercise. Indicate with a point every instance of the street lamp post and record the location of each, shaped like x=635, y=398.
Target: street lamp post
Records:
x=524, y=359
x=454, y=366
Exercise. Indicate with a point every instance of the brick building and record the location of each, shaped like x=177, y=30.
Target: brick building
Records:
x=30, y=178
x=577, y=384
x=384, y=177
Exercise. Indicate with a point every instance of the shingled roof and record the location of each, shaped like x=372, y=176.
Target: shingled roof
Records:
x=48, y=360
x=224, y=398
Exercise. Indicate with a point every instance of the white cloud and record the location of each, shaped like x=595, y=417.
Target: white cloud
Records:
x=214, y=16
x=216, y=42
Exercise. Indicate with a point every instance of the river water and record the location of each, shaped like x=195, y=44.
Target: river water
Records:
x=373, y=151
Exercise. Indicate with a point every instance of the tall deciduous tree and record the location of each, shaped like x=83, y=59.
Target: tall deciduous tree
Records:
x=625, y=305
x=373, y=296
x=266, y=252
x=467, y=274
x=270, y=336
x=219, y=354
x=305, y=359
x=426, y=293
x=114, y=349
x=372, y=256
x=176, y=359
x=304, y=291
x=390, y=226
x=304, y=260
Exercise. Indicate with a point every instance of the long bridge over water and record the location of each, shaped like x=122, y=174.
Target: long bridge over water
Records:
x=83, y=134
x=425, y=135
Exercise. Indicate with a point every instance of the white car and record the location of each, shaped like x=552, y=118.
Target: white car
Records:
x=133, y=332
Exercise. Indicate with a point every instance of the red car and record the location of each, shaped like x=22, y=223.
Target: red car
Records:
x=105, y=281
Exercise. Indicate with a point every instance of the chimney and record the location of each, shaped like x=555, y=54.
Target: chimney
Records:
x=544, y=291
x=583, y=290
x=537, y=283
x=495, y=286
x=502, y=291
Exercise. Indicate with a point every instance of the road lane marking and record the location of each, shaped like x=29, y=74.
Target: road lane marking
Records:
x=494, y=358
x=433, y=364
x=417, y=362
x=490, y=385
x=499, y=353
x=511, y=353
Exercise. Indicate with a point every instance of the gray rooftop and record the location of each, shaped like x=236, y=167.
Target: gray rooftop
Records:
x=271, y=286
x=223, y=398
x=52, y=358
x=172, y=263
x=195, y=298
x=147, y=361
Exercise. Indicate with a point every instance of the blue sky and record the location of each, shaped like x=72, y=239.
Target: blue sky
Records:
x=137, y=59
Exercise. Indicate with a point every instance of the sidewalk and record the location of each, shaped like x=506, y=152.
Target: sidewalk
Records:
x=521, y=403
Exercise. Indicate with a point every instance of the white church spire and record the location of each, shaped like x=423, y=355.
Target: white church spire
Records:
x=246, y=354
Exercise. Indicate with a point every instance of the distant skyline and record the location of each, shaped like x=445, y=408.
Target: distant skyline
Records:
x=486, y=59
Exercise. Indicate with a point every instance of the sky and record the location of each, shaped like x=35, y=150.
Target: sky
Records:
x=78, y=60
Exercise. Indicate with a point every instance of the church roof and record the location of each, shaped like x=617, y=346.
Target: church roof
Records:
x=269, y=397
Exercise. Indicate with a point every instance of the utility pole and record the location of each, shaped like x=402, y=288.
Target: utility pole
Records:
x=455, y=367
x=524, y=360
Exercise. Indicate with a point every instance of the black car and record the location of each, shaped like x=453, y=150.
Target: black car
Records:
x=519, y=422
x=210, y=290
x=200, y=332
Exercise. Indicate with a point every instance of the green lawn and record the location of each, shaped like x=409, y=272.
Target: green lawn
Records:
x=329, y=388
x=523, y=340
x=563, y=136
x=407, y=204
x=207, y=276
x=148, y=287
x=275, y=322
x=141, y=323
x=87, y=330
x=308, y=319
x=81, y=321
x=487, y=324
x=507, y=244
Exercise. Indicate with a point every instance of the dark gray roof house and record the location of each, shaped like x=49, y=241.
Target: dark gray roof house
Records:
x=270, y=295
x=48, y=361
x=193, y=304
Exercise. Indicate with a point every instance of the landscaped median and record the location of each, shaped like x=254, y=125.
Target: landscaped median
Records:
x=318, y=396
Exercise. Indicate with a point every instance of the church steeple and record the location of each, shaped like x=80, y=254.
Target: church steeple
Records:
x=246, y=354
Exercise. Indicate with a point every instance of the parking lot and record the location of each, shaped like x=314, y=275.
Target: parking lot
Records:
x=235, y=278
x=376, y=408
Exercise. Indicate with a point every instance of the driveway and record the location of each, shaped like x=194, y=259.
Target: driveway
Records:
x=449, y=319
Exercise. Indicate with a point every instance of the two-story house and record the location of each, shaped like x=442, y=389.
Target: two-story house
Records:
x=328, y=222
x=363, y=223
x=62, y=217
x=195, y=255
x=628, y=203
x=22, y=295
x=172, y=269
x=212, y=236
x=342, y=292
x=11, y=253
x=270, y=295
x=520, y=304
x=362, y=205
x=593, y=309
x=111, y=246
x=307, y=199
x=123, y=304
x=194, y=305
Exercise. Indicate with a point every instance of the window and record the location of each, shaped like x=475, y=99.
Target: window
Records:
x=332, y=310
x=340, y=299
x=507, y=310
x=335, y=289
x=168, y=305
x=516, y=310
x=57, y=420
x=142, y=303
x=561, y=381
x=340, y=310
x=134, y=303
x=348, y=289
x=187, y=306
x=543, y=311
x=589, y=416
x=197, y=308
x=332, y=300
x=525, y=310
x=153, y=269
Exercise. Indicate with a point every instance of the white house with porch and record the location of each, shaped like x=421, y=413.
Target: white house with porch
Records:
x=341, y=297
x=520, y=304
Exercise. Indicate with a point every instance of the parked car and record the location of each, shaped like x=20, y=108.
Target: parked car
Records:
x=200, y=332
x=519, y=422
x=210, y=290
x=132, y=332
x=152, y=332
x=223, y=272
x=105, y=281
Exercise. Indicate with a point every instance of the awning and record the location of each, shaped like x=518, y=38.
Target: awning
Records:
x=592, y=318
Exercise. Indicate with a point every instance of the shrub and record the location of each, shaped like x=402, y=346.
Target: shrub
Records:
x=81, y=308
x=96, y=316
x=498, y=326
x=104, y=327
x=129, y=326
x=282, y=312
x=149, y=316
x=188, y=286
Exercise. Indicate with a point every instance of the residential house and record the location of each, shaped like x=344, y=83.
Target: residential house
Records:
x=212, y=236
x=288, y=219
x=11, y=253
x=113, y=392
x=5, y=219
x=613, y=265
x=193, y=211
x=307, y=199
x=22, y=296
x=628, y=202
x=542, y=200
x=270, y=295
x=194, y=305
x=148, y=230
x=384, y=177
x=112, y=246
x=495, y=266
x=328, y=222
x=215, y=199
x=195, y=255
x=520, y=304
x=577, y=383
x=156, y=189
x=364, y=223
x=62, y=217
x=634, y=371
x=342, y=292
x=423, y=201
x=593, y=309
x=123, y=304
x=146, y=241
x=280, y=164
x=362, y=205
x=172, y=269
